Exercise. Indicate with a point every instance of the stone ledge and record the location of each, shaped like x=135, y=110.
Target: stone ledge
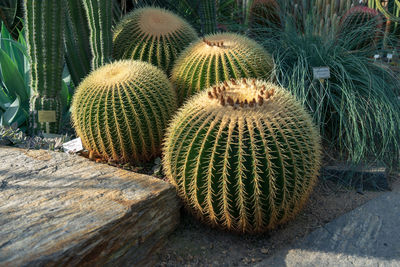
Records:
x=58, y=209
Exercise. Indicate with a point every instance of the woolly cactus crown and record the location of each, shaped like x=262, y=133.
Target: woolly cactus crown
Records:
x=243, y=155
x=154, y=35
x=217, y=58
x=120, y=110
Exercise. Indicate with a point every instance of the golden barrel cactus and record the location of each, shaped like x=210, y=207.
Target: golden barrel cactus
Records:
x=217, y=58
x=154, y=35
x=121, y=110
x=243, y=155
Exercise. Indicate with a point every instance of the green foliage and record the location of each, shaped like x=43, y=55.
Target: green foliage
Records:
x=45, y=40
x=363, y=26
x=100, y=15
x=120, y=110
x=265, y=14
x=154, y=35
x=243, y=155
x=216, y=58
x=11, y=12
x=77, y=45
x=14, y=88
x=357, y=109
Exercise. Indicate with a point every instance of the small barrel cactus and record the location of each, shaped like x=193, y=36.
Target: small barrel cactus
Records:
x=154, y=35
x=243, y=155
x=217, y=58
x=264, y=14
x=363, y=25
x=121, y=110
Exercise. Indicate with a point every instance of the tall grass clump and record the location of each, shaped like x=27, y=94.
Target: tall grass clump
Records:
x=357, y=109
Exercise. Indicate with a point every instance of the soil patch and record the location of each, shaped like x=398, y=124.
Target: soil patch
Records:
x=194, y=244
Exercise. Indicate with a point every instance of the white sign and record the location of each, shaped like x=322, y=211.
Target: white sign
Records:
x=376, y=56
x=322, y=73
x=389, y=56
x=73, y=146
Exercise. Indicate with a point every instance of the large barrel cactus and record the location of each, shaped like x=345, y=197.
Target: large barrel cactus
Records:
x=362, y=26
x=121, y=110
x=243, y=155
x=217, y=58
x=154, y=35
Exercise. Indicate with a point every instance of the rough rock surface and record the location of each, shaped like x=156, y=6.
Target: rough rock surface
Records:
x=366, y=236
x=58, y=209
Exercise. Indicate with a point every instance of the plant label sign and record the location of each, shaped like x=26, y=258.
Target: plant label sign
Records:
x=321, y=73
x=73, y=146
x=47, y=116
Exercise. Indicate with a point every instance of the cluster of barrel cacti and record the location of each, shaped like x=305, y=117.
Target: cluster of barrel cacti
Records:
x=242, y=152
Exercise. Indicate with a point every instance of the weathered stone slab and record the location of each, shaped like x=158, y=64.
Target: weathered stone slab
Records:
x=366, y=236
x=58, y=209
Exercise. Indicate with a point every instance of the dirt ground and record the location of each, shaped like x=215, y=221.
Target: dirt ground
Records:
x=194, y=244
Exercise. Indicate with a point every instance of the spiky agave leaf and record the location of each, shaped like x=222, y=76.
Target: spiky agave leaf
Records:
x=120, y=111
x=217, y=58
x=243, y=155
x=154, y=35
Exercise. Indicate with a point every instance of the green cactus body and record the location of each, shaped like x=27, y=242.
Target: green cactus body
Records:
x=100, y=15
x=153, y=35
x=217, y=58
x=45, y=40
x=208, y=16
x=121, y=110
x=243, y=155
x=78, y=54
x=356, y=18
x=264, y=13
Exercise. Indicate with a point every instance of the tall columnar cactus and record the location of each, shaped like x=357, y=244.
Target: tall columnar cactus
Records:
x=208, y=16
x=153, y=35
x=264, y=14
x=120, y=110
x=357, y=19
x=243, y=155
x=100, y=15
x=217, y=58
x=78, y=55
x=45, y=40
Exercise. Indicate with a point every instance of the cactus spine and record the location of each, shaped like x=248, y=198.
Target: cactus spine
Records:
x=45, y=41
x=100, y=14
x=78, y=54
x=153, y=35
x=216, y=58
x=243, y=155
x=120, y=110
x=357, y=18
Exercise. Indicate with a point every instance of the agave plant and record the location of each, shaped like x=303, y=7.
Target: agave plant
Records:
x=15, y=90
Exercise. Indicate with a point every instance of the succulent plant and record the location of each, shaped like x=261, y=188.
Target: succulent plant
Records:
x=243, y=155
x=100, y=15
x=45, y=27
x=77, y=46
x=364, y=25
x=217, y=58
x=154, y=35
x=264, y=13
x=121, y=110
